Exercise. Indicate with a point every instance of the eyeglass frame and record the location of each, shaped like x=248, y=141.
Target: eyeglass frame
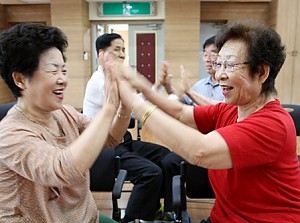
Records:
x=225, y=65
x=212, y=55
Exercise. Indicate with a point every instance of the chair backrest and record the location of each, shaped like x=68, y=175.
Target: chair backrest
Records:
x=294, y=111
x=4, y=109
x=197, y=182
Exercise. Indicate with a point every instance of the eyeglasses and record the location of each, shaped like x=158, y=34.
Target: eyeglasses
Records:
x=228, y=65
x=212, y=55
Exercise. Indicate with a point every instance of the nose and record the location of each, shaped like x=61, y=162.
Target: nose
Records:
x=207, y=58
x=62, y=78
x=221, y=74
x=122, y=54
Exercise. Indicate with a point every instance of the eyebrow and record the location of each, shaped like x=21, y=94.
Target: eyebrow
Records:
x=119, y=47
x=227, y=56
x=55, y=65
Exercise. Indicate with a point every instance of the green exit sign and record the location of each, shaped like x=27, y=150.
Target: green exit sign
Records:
x=127, y=8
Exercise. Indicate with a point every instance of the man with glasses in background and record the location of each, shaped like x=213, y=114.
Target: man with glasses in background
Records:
x=207, y=90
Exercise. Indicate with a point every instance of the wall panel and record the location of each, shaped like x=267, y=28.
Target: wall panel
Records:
x=73, y=20
x=2, y=18
x=182, y=34
x=28, y=13
x=227, y=11
x=286, y=25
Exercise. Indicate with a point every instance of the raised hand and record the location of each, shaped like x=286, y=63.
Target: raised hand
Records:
x=165, y=78
x=128, y=95
x=111, y=91
x=185, y=77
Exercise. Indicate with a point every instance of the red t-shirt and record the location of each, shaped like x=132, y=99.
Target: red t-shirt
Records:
x=264, y=183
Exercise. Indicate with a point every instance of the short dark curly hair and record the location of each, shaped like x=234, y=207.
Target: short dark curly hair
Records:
x=21, y=47
x=263, y=46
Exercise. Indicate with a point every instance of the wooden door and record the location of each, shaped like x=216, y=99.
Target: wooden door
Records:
x=145, y=55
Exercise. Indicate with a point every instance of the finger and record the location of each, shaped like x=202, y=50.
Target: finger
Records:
x=182, y=71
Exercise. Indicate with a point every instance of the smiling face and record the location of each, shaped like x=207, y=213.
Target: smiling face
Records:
x=238, y=86
x=45, y=90
x=117, y=49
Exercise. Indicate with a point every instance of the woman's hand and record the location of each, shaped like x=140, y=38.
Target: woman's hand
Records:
x=111, y=91
x=185, y=77
x=165, y=78
x=128, y=95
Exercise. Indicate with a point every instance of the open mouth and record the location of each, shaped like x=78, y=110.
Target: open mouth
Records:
x=58, y=92
x=226, y=89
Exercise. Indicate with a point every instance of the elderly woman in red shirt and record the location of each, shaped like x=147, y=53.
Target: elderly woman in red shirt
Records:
x=248, y=143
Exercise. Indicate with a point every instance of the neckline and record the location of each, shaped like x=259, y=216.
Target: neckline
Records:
x=60, y=133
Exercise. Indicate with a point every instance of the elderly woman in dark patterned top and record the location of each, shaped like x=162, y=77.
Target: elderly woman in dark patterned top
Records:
x=47, y=148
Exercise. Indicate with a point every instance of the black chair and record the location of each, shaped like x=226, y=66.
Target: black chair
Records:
x=294, y=111
x=192, y=183
x=108, y=177
x=4, y=109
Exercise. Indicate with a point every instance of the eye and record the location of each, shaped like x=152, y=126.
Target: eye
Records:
x=217, y=64
x=213, y=55
x=54, y=72
x=230, y=64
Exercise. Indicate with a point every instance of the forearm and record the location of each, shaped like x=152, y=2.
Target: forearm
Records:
x=209, y=151
x=120, y=123
x=171, y=107
x=169, y=130
x=200, y=99
x=89, y=144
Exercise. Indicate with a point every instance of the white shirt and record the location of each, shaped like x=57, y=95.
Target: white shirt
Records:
x=94, y=93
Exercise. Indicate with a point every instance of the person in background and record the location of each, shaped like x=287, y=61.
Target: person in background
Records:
x=205, y=91
x=47, y=147
x=142, y=160
x=248, y=143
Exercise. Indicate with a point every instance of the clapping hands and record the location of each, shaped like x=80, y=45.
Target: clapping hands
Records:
x=123, y=80
x=186, y=79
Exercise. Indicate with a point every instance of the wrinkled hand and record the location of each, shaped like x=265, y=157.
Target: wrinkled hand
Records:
x=185, y=77
x=110, y=65
x=111, y=91
x=135, y=79
x=128, y=95
x=165, y=78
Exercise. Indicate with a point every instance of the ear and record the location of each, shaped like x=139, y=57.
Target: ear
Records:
x=263, y=72
x=19, y=79
x=100, y=56
x=99, y=52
